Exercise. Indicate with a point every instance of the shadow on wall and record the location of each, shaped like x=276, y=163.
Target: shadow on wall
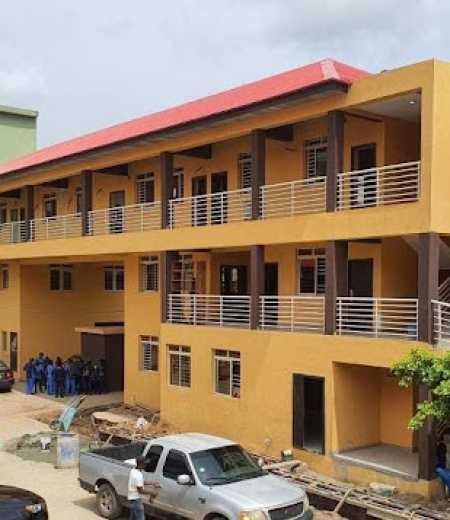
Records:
x=16, y=503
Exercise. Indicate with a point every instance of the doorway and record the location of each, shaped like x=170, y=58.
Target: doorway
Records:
x=116, y=213
x=233, y=282
x=364, y=191
x=309, y=413
x=360, y=286
x=199, y=201
x=13, y=348
x=270, y=311
x=219, y=198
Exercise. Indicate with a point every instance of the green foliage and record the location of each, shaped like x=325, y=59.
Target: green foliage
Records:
x=425, y=368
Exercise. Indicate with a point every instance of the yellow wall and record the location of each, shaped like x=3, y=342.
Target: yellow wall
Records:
x=10, y=309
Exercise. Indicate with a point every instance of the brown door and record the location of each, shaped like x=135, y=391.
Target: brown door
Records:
x=364, y=180
x=219, y=198
x=116, y=213
x=199, y=201
x=359, y=315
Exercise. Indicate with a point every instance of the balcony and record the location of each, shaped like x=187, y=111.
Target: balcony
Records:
x=292, y=313
x=13, y=232
x=378, y=317
x=125, y=219
x=211, y=209
x=441, y=323
x=63, y=226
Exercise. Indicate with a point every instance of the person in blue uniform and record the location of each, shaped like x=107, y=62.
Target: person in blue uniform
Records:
x=50, y=372
x=29, y=376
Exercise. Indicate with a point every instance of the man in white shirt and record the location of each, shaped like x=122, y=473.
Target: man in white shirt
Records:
x=136, y=488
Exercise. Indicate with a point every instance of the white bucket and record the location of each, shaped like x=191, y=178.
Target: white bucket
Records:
x=67, y=450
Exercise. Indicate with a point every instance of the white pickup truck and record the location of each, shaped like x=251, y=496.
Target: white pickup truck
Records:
x=202, y=478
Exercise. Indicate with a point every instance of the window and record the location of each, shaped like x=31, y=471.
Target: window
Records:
x=245, y=170
x=178, y=183
x=3, y=214
x=114, y=278
x=228, y=372
x=149, y=273
x=176, y=465
x=4, y=341
x=50, y=205
x=61, y=277
x=316, y=155
x=79, y=198
x=4, y=276
x=311, y=269
x=180, y=366
x=145, y=188
x=149, y=353
x=153, y=456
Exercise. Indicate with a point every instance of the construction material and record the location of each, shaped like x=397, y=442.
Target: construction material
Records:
x=67, y=450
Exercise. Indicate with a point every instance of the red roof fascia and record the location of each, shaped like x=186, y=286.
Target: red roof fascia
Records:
x=240, y=97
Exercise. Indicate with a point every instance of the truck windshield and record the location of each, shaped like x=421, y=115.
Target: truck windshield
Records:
x=225, y=465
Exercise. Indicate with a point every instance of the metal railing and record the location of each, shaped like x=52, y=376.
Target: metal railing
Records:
x=125, y=219
x=13, y=232
x=377, y=317
x=62, y=226
x=293, y=198
x=441, y=323
x=293, y=313
x=209, y=309
x=393, y=184
x=210, y=209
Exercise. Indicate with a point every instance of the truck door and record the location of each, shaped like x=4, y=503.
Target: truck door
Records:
x=183, y=500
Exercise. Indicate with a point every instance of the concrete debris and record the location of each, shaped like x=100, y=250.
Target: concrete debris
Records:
x=382, y=489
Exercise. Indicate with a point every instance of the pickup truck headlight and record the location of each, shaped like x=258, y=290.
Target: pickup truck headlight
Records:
x=252, y=515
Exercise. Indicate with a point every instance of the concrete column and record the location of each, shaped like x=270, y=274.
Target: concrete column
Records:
x=428, y=283
x=86, y=200
x=29, y=210
x=258, y=169
x=427, y=442
x=336, y=281
x=167, y=258
x=256, y=283
x=167, y=185
x=335, y=163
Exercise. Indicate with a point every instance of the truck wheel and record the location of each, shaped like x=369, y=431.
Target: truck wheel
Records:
x=108, y=504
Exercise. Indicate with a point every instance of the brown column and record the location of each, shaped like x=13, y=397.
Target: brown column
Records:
x=256, y=283
x=86, y=200
x=336, y=281
x=167, y=186
x=427, y=442
x=335, y=163
x=258, y=169
x=167, y=258
x=29, y=211
x=428, y=272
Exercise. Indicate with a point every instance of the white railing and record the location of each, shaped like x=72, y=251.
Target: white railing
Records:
x=292, y=313
x=214, y=208
x=209, y=309
x=392, y=184
x=13, y=232
x=62, y=226
x=293, y=198
x=444, y=291
x=125, y=219
x=377, y=317
x=441, y=323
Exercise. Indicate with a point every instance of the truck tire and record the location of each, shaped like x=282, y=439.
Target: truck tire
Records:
x=108, y=503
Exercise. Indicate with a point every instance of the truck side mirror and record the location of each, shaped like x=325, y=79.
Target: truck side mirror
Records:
x=184, y=480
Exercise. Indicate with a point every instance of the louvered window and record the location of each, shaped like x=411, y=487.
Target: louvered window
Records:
x=4, y=340
x=149, y=273
x=228, y=373
x=311, y=269
x=61, y=277
x=50, y=205
x=316, y=157
x=145, y=185
x=3, y=213
x=178, y=183
x=149, y=353
x=179, y=366
x=245, y=170
x=5, y=276
x=114, y=278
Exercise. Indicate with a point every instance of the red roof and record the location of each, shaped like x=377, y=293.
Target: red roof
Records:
x=240, y=97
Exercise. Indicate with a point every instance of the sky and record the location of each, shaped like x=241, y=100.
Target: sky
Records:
x=89, y=64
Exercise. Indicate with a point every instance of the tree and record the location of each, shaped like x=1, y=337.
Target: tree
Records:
x=423, y=367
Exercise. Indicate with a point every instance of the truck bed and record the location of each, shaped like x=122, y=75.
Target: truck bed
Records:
x=122, y=452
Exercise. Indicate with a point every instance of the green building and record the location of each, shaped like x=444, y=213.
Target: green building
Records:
x=17, y=132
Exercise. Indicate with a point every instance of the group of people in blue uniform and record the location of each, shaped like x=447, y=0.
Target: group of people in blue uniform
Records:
x=68, y=378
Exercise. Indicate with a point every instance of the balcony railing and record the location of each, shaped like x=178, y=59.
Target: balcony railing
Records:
x=293, y=198
x=292, y=313
x=377, y=317
x=125, y=219
x=441, y=323
x=209, y=309
x=394, y=184
x=62, y=226
x=13, y=232
x=214, y=208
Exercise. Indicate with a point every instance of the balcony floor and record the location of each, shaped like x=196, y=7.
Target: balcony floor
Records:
x=384, y=458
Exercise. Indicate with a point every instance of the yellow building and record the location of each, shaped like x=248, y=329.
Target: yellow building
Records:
x=252, y=263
